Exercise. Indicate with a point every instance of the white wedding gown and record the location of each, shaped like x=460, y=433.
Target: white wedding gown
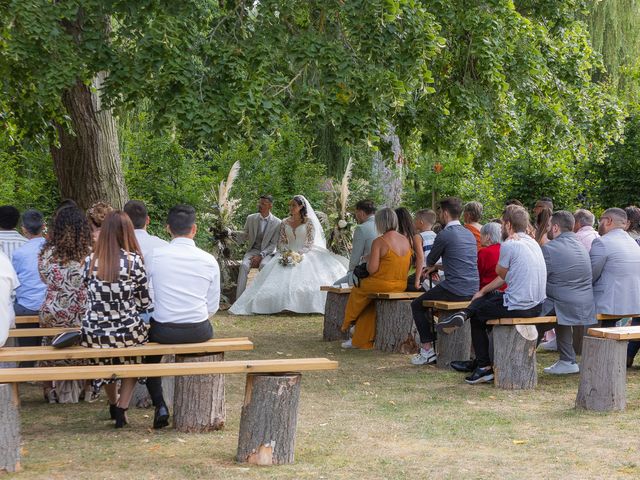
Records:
x=295, y=288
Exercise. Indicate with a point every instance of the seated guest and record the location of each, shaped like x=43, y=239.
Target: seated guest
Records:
x=363, y=235
x=261, y=231
x=457, y=247
x=118, y=294
x=61, y=267
x=569, y=290
x=186, y=284
x=633, y=222
x=95, y=215
x=8, y=282
x=388, y=266
x=471, y=215
x=542, y=225
x=30, y=294
x=490, y=235
x=10, y=240
x=424, y=221
x=544, y=202
x=583, y=228
x=521, y=265
x=407, y=228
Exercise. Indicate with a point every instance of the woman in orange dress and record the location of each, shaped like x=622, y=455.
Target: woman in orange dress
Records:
x=388, y=267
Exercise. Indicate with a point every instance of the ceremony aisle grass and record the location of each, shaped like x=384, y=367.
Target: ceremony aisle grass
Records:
x=376, y=417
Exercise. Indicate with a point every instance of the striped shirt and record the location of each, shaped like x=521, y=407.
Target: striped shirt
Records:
x=10, y=241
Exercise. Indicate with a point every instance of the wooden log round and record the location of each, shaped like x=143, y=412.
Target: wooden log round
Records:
x=9, y=429
x=514, y=349
x=454, y=346
x=334, y=309
x=269, y=418
x=395, y=330
x=198, y=401
x=603, y=375
x=141, y=397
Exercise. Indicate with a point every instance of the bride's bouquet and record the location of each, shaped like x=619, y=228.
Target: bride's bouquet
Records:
x=290, y=258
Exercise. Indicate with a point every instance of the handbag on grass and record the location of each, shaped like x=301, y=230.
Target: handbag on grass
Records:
x=66, y=339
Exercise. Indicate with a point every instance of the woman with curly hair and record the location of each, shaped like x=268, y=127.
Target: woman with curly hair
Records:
x=60, y=264
x=96, y=215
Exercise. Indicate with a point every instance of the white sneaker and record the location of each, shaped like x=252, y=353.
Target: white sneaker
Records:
x=550, y=346
x=562, y=367
x=424, y=357
x=347, y=344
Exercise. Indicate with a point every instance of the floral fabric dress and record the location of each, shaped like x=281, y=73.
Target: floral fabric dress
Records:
x=113, y=317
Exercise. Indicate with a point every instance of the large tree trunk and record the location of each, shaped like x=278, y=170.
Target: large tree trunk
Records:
x=87, y=159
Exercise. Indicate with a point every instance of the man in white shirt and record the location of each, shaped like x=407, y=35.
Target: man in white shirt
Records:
x=186, y=282
x=10, y=239
x=8, y=283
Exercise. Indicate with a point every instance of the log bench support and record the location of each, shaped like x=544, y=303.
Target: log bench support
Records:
x=453, y=346
x=514, y=350
x=395, y=330
x=198, y=400
x=9, y=429
x=334, y=309
x=269, y=419
x=603, y=375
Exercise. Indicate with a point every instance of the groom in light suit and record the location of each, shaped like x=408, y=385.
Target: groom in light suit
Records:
x=363, y=235
x=261, y=231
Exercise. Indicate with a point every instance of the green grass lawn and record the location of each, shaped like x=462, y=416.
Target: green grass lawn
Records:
x=377, y=416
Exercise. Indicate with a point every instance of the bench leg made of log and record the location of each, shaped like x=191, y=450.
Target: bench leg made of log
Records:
x=9, y=428
x=334, y=309
x=395, y=330
x=454, y=346
x=198, y=400
x=514, y=362
x=269, y=419
x=603, y=375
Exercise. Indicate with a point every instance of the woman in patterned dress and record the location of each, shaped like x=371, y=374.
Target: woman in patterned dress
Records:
x=118, y=293
x=60, y=266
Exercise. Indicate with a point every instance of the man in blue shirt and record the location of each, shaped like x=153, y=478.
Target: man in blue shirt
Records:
x=31, y=292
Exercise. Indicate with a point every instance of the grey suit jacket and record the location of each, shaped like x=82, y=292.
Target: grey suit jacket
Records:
x=569, y=281
x=363, y=236
x=270, y=237
x=615, y=265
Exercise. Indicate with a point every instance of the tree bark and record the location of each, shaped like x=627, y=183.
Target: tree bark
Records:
x=454, y=346
x=395, y=330
x=603, y=375
x=9, y=429
x=141, y=398
x=269, y=418
x=198, y=402
x=334, y=309
x=515, y=357
x=87, y=160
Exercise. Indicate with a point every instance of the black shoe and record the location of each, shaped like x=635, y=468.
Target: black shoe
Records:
x=161, y=417
x=464, y=365
x=112, y=411
x=480, y=375
x=451, y=323
x=630, y=362
x=121, y=416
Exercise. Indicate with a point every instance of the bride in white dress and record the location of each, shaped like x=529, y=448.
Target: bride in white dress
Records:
x=295, y=288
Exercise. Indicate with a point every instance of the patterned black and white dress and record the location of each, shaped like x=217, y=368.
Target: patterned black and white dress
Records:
x=113, y=315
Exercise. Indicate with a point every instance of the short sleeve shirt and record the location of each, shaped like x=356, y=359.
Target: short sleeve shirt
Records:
x=527, y=273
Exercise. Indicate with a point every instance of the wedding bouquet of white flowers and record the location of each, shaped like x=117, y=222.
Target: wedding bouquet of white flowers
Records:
x=290, y=258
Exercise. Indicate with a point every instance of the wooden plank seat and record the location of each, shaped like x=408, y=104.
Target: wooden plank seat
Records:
x=603, y=369
x=38, y=332
x=445, y=306
x=22, y=319
x=395, y=330
x=269, y=410
x=395, y=295
x=334, y=308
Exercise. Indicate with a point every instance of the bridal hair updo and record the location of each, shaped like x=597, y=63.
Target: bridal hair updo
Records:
x=303, y=211
x=386, y=220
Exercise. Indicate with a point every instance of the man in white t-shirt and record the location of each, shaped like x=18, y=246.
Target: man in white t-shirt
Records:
x=522, y=267
x=8, y=283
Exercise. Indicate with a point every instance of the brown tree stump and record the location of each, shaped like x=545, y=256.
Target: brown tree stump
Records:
x=603, y=375
x=334, y=309
x=141, y=398
x=454, y=346
x=9, y=429
x=395, y=330
x=514, y=350
x=269, y=418
x=198, y=401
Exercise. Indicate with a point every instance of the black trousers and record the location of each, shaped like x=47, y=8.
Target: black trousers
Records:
x=423, y=318
x=173, y=333
x=487, y=308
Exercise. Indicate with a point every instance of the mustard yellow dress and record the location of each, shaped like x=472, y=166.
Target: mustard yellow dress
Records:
x=390, y=277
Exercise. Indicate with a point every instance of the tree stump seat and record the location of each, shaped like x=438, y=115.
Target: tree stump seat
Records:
x=395, y=329
x=334, y=309
x=452, y=346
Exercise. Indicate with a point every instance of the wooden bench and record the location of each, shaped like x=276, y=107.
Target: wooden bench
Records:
x=334, y=308
x=455, y=345
x=269, y=411
x=21, y=320
x=395, y=330
x=603, y=369
x=38, y=332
